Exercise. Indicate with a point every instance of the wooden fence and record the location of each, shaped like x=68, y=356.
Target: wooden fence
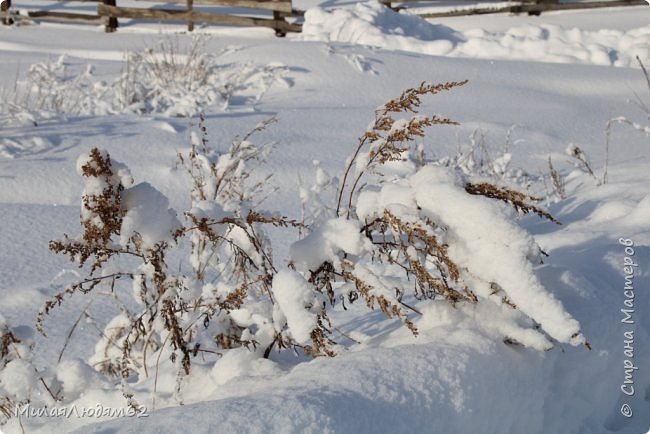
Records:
x=531, y=7
x=190, y=12
x=108, y=13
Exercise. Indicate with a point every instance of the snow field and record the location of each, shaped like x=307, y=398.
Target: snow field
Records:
x=455, y=376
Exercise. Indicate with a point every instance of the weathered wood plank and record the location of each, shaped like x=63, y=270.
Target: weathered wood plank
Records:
x=190, y=6
x=583, y=5
x=474, y=11
x=269, y=5
x=534, y=8
x=206, y=17
x=63, y=16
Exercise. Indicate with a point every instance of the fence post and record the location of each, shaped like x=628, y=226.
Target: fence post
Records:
x=4, y=12
x=110, y=23
x=190, y=23
x=278, y=16
x=541, y=6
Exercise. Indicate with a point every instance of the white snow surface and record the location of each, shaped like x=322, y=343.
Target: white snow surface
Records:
x=371, y=23
x=558, y=78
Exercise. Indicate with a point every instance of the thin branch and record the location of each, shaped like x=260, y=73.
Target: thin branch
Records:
x=84, y=312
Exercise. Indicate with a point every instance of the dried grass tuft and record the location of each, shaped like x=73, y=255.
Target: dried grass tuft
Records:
x=387, y=141
x=558, y=181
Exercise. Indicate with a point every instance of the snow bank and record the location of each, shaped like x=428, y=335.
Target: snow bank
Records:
x=424, y=388
x=553, y=43
x=373, y=24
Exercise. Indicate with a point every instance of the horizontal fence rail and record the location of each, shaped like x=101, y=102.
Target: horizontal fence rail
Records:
x=190, y=12
x=532, y=7
x=191, y=16
x=108, y=12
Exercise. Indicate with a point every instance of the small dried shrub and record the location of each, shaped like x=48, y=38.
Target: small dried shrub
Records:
x=128, y=233
x=168, y=78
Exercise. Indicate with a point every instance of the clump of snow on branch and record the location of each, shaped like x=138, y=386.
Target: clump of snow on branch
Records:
x=148, y=215
x=296, y=301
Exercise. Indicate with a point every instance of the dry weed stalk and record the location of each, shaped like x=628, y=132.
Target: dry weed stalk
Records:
x=518, y=200
x=579, y=155
x=15, y=349
x=387, y=306
x=558, y=181
x=622, y=120
x=386, y=141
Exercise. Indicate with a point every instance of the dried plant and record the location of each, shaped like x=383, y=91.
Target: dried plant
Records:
x=168, y=77
x=230, y=265
x=643, y=106
x=559, y=185
x=479, y=158
x=403, y=252
x=519, y=201
x=17, y=350
x=582, y=161
x=385, y=140
x=389, y=243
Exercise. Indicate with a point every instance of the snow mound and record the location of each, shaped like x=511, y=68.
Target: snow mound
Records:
x=336, y=396
x=557, y=44
x=238, y=363
x=373, y=24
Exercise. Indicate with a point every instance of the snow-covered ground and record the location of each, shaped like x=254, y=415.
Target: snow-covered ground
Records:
x=537, y=86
